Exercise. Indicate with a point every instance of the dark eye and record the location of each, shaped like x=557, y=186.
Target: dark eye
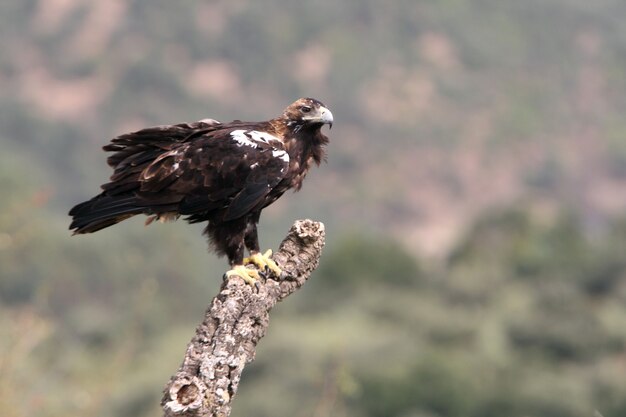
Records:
x=305, y=109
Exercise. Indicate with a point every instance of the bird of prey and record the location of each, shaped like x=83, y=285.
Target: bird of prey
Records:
x=208, y=171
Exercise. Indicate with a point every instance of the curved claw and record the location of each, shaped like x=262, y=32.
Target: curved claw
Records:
x=250, y=276
x=264, y=262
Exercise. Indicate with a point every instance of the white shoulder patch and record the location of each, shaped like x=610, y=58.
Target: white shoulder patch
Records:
x=279, y=153
x=242, y=139
x=262, y=136
x=254, y=138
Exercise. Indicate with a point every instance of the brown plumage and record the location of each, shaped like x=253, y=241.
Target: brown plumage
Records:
x=222, y=173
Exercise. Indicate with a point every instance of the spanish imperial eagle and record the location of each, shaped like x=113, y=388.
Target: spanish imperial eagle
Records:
x=220, y=173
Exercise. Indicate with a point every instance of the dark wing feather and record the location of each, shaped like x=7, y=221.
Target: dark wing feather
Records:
x=224, y=180
x=141, y=146
x=201, y=170
x=202, y=176
x=258, y=185
x=132, y=152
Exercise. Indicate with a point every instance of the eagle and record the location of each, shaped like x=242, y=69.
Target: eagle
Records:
x=224, y=174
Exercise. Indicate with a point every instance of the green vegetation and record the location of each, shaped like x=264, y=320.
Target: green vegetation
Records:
x=445, y=110
x=495, y=330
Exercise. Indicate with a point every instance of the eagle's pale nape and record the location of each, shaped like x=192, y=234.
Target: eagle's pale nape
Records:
x=207, y=171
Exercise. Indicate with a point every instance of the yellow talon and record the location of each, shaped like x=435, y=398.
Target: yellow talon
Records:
x=250, y=276
x=264, y=262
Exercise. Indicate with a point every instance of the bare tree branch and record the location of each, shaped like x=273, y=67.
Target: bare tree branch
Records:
x=236, y=320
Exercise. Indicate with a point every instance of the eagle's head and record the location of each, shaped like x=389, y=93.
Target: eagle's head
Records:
x=307, y=112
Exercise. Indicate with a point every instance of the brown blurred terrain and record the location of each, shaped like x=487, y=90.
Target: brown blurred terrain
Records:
x=474, y=197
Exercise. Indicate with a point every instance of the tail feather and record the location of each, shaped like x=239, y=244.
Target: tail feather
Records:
x=102, y=211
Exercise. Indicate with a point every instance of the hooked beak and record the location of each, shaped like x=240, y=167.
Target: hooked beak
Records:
x=326, y=117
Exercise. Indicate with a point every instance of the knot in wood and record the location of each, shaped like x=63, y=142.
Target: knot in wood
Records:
x=309, y=231
x=185, y=396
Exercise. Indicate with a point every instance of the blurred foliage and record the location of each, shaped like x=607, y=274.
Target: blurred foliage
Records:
x=443, y=108
x=494, y=331
x=525, y=318
x=366, y=259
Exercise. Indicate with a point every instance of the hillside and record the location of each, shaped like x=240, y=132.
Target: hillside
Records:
x=443, y=109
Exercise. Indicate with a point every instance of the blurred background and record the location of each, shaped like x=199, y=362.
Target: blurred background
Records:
x=474, y=198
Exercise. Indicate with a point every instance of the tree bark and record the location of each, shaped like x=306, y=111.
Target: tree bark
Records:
x=234, y=323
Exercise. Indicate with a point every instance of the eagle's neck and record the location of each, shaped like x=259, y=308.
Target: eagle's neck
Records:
x=305, y=146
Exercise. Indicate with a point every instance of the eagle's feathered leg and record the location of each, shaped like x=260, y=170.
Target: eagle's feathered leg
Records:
x=251, y=241
x=232, y=238
x=228, y=238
